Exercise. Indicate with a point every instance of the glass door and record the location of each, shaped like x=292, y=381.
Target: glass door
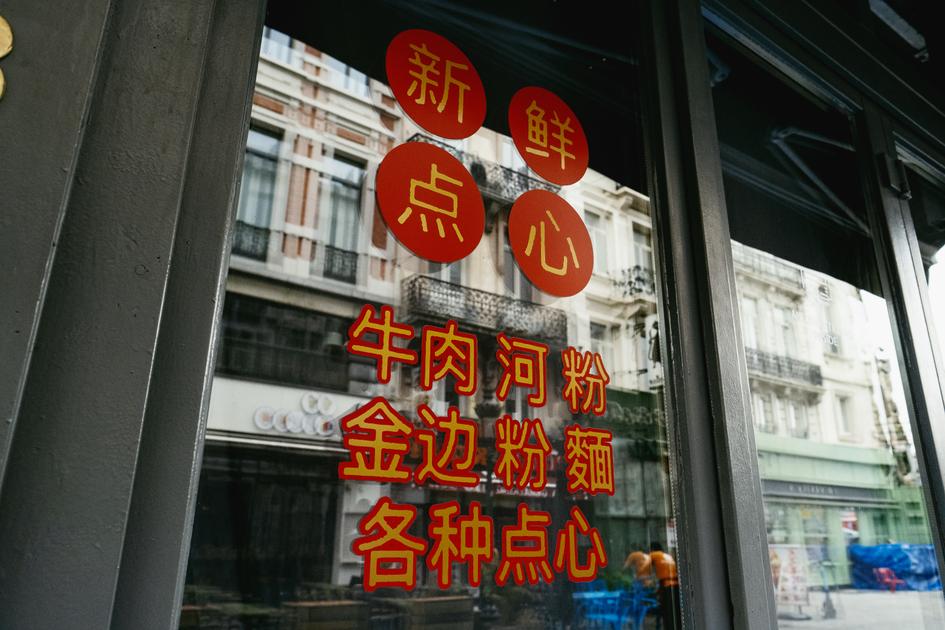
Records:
x=848, y=525
x=508, y=465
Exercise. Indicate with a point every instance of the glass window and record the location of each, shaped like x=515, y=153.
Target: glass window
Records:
x=345, y=205
x=602, y=342
x=515, y=282
x=256, y=194
x=511, y=158
x=844, y=416
x=749, y=313
x=282, y=533
x=843, y=495
x=278, y=46
x=642, y=250
x=348, y=78
x=268, y=341
x=598, y=227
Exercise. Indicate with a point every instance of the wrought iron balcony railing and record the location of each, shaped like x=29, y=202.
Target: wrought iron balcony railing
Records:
x=784, y=367
x=767, y=266
x=437, y=300
x=251, y=241
x=494, y=180
x=635, y=281
x=341, y=264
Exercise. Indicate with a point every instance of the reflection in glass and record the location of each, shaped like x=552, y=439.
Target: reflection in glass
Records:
x=848, y=535
x=274, y=528
x=927, y=207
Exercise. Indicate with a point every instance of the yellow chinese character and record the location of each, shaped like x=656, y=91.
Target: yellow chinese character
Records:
x=523, y=364
x=589, y=454
x=562, y=148
x=566, y=551
x=537, y=129
x=423, y=78
x=433, y=186
x=561, y=269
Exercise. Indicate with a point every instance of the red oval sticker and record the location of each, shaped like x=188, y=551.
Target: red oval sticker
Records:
x=430, y=202
x=550, y=243
x=548, y=135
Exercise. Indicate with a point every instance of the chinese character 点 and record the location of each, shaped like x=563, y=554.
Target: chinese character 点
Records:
x=449, y=212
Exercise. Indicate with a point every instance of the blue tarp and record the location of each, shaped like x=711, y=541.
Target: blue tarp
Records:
x=914, y=564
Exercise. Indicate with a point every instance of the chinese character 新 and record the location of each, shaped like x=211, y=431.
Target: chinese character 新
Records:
x=584, y=391
x=428, y=76
x=589, y=454
x=383, y=349
x=523, y=365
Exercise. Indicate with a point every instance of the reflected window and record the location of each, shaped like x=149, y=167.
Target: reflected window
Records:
x=597, y=225
x=277, y=45
x=344, y=208
x=275, y=342
x=349, y=78
x=841, y=488
x=642, y=248
x=257, y=190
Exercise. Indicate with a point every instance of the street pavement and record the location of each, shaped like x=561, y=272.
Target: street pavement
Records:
x=868, y=610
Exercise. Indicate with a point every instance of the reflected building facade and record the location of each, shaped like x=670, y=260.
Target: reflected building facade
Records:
x=825, y=408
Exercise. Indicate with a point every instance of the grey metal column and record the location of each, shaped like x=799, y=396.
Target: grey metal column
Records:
x=903, y=277
x=723, y=535
x=49, y=80
x=157, y=541
x=67, y=492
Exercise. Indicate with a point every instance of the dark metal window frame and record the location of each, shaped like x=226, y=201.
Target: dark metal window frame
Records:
x=769, y=32
x=97, y=501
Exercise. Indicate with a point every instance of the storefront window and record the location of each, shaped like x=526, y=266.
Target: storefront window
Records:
x=848, y=532
x=256, y=194
x=522, y=475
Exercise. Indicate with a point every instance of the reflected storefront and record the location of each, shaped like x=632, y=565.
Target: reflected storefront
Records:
x=429, y=314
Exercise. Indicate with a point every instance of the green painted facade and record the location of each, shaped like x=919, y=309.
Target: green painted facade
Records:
x=834, y=495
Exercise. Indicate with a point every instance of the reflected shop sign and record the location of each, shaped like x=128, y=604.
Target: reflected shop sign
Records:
x=432, y=206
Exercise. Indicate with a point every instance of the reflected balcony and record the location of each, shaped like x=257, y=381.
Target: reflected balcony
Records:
x=251, y=241
x=767, y=267
x=340, y=264
x=430, y=299
x=783, y=367
x=494, y=181
x=634, y=281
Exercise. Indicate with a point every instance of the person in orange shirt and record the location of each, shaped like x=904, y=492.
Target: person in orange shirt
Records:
x=664, y=566
x=639, y=563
